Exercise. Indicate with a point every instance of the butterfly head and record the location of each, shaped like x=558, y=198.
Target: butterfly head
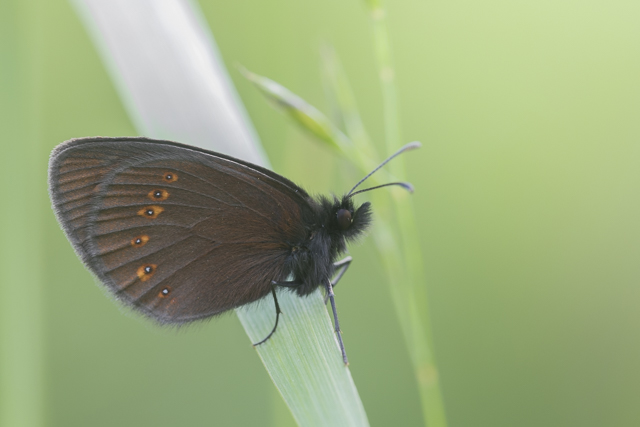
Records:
x=350, y=220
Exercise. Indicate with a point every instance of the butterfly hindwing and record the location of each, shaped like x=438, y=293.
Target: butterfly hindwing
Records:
x=178, y=233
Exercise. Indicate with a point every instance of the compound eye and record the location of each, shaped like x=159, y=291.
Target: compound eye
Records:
x=344, y=218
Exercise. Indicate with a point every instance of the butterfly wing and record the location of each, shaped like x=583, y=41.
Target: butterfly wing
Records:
x=177, y=232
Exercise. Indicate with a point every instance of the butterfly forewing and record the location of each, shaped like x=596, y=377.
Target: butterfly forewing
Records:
x=180, y=234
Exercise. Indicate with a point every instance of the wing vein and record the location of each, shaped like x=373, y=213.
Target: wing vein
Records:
x=60, y=173
x=142, y=256
x=239, y=179
x=174, y=187
x=169, y=276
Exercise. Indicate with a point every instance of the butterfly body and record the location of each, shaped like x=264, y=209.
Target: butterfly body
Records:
x=312, y=260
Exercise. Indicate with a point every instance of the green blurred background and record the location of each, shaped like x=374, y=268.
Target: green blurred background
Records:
x=527, y=192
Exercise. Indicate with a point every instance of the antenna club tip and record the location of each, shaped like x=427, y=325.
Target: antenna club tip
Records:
x=413, y=145
x=407, y=186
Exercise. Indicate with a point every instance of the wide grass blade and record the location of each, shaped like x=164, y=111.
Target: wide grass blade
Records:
x=166, y=68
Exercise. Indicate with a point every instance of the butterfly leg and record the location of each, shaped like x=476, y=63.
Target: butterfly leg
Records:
x=275, y=300
x=336, y=323
x=342, y=265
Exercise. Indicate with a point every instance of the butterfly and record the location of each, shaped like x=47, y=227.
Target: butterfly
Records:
x=180, y=233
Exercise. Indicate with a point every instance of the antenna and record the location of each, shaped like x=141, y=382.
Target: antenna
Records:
x=405, y=185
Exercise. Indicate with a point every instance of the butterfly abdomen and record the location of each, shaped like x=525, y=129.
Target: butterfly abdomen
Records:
x=310, y=262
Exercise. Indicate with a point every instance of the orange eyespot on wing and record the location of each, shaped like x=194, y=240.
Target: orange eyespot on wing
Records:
x=158, y=195
x=170, y=176
x=140, y=241
x=146, y=271
x=150, y=211
x=164, y=292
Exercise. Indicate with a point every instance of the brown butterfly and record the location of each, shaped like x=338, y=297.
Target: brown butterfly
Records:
x=181, y=234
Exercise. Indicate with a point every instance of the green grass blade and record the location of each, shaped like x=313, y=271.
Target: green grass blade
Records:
x=302, y=113
x=24, y=202
x=411, y=296
x=314, y=122
x=292, y=356
x=302, y=358
x=343, y=103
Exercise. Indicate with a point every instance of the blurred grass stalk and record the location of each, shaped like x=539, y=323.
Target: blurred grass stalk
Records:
x=23, y=199
x=410, y=293
x=165, y=66
x=402, y=259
